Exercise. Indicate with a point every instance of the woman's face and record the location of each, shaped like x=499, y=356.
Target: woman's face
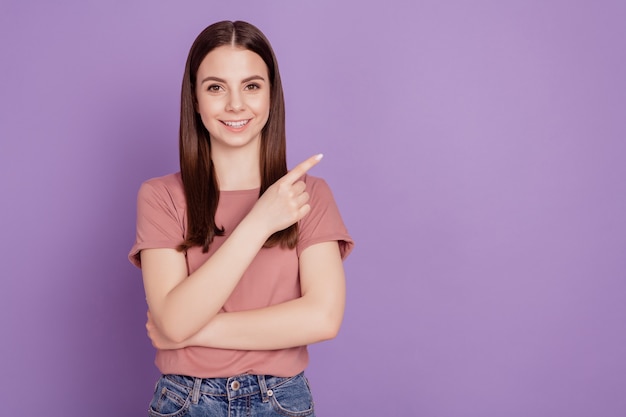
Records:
x=233, y=97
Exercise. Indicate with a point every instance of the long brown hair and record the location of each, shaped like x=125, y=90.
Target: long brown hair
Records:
x=197, y=170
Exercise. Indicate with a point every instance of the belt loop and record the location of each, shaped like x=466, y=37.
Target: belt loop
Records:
x=263, y=387
x=195, y=393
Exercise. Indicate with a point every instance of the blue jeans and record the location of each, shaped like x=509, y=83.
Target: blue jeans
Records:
x=242, y=395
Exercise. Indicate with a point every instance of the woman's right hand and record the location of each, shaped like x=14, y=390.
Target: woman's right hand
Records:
x=285, y=202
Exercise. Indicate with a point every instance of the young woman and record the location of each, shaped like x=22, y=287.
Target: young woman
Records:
x=241, y=259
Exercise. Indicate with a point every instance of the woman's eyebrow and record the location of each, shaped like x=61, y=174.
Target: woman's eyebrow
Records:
x=220, y=80
x=252, y=78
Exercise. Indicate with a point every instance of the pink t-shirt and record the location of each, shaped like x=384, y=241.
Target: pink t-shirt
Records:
x=271, y=278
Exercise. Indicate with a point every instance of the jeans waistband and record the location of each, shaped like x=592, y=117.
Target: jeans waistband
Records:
x=233, y=387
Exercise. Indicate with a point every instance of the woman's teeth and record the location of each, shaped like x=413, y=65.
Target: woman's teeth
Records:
x=238, y=124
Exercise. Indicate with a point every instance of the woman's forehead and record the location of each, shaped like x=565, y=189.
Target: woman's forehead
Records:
x=231, y=63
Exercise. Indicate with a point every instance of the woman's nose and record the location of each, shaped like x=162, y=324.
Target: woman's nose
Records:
x=235, y=102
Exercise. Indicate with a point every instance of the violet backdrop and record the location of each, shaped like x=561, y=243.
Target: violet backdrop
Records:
x=476, y=150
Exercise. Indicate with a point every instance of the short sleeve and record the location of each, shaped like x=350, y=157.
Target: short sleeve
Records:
x=160, y=220
x=323, y=223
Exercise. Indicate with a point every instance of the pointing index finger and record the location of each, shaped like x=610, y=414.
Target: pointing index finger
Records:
x=302, y=168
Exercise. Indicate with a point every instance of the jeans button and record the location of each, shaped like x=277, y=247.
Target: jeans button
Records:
x=270, y=392
x=235, y=385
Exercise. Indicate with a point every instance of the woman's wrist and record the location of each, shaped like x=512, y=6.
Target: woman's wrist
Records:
x=255, y=227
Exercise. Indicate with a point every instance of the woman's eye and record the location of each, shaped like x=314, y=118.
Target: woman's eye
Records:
x=214, y=88
x=253, y=87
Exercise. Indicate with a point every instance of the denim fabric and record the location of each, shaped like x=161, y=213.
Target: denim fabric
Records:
x=238, y=396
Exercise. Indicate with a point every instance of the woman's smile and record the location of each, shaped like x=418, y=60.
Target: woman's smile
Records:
x=236, y=125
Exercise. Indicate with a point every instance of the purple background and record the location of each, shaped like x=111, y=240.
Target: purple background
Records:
x=476, y=149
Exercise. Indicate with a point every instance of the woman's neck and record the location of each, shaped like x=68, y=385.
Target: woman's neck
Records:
x=237, y=169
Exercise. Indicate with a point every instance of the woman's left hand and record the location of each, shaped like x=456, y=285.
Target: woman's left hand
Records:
x=158, y=340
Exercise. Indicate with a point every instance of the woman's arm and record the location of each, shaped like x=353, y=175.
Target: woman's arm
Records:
x=314, y=317
x=178, y=303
